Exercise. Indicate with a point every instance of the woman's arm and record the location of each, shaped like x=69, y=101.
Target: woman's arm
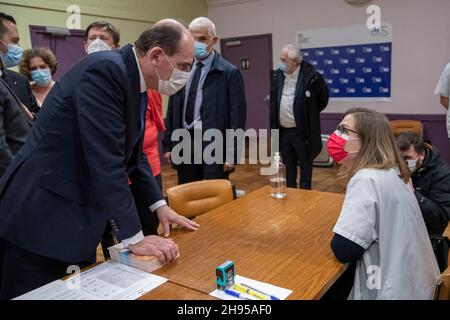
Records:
x=346, y=250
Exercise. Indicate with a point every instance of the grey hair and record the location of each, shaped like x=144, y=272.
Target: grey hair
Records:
x=293, y=53
x=203, y=22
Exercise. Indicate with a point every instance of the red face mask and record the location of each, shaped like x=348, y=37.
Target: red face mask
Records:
x=335, y=146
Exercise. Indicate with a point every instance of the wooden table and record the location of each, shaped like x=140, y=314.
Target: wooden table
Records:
x=172, y=291
x=284, y=242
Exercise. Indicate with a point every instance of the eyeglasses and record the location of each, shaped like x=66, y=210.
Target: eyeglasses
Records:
x=344, y=130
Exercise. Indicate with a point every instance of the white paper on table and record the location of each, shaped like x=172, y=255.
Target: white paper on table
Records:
x=107, y=281
x=278, y=292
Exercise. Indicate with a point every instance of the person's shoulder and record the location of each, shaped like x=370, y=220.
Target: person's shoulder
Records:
x=372, y=175
x=440, y=167
x=109, y=56
x=447, y=69
x=16, y=75
x=225, y=64
x=310, y=72
x=106, y=61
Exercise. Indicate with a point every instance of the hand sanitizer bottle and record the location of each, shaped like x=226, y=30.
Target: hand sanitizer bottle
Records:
x=278, y=178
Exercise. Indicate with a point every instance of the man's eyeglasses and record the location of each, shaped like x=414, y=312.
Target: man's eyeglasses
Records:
x=344, y=130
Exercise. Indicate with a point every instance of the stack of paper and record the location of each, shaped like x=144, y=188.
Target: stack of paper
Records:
x=107, y=281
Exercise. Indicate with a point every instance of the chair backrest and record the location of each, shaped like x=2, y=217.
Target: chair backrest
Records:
x=443, y=286
x=399, y=126
x=196, y=198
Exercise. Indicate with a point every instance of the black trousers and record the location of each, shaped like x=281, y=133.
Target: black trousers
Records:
x=149, y=220
x=189, y=173
x=22, y=271
x=294, y=152
x=195, y=172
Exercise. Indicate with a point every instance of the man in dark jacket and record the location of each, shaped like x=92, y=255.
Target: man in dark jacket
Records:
x=18, y=83
x=431, y=181
x=298, y=94
x=14, y=122
x=214, y=98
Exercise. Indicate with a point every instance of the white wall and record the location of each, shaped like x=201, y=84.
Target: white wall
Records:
x=421, y=40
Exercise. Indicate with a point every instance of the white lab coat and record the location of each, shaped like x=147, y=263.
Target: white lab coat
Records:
x=381, y=214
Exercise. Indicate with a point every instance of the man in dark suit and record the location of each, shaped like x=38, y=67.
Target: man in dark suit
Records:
x=298, y=95
x=20, y=85
x=14, y=123
x=214, y=98
x=16, y=81
x=70, y=180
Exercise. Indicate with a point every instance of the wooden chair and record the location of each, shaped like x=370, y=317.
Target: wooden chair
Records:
x=196, y=198
x=399, y=126
x=443, y=286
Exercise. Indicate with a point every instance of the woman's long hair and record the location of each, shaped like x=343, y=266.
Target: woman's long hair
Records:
x=378, y=148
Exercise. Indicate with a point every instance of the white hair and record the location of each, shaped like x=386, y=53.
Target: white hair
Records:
x=203, y=23
x=293, y=52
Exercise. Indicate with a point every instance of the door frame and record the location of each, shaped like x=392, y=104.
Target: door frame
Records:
x=268, y=36
x=258, y=36
x=38, y=29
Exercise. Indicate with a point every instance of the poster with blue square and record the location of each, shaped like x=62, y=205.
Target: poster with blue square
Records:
x=356, y=62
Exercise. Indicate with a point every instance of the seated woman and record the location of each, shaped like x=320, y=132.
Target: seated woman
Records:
x=380, y=227
x=39, y=65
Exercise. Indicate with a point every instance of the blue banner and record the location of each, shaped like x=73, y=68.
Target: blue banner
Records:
x=354, y=71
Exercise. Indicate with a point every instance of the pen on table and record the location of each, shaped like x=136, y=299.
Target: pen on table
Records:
x=268, y=296
x=250, y=292
x=237, y=294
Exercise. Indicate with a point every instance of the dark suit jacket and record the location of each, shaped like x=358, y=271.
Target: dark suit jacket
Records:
x=71, y=177
x=223, y=107
x=14, y=126
x=22, y=88
x=311, y=98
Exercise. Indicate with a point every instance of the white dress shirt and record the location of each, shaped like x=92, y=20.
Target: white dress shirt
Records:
x=140, y=236
x=287, y=118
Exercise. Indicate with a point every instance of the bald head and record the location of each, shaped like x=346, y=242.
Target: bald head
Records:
x=168, y=34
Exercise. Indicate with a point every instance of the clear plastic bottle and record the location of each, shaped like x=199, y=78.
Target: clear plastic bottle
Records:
x=278, y=178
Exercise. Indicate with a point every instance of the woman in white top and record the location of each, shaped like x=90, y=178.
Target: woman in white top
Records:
x=380, y=227
x=39, y=65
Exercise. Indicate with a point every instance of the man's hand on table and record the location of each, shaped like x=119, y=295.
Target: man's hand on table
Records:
x=166, y=250
x=167, y=217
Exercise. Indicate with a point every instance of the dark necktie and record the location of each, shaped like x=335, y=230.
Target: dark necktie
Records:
x=143, y=109
x=190, y=104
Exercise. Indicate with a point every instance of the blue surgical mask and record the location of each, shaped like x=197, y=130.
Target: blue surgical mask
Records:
x=13, y=56
x=201, y=50
x=282, y=67
x=42, y=77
